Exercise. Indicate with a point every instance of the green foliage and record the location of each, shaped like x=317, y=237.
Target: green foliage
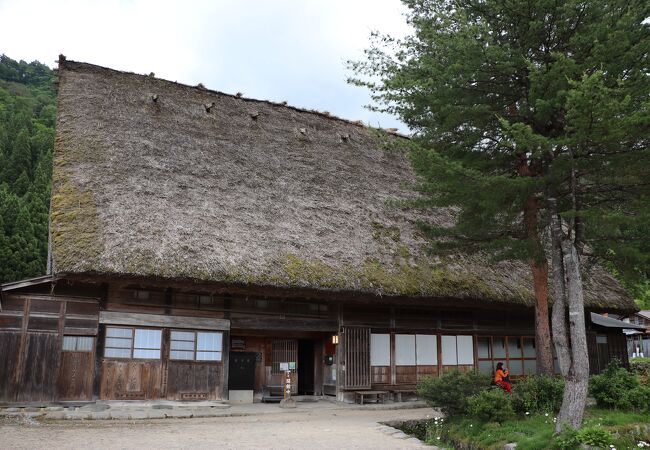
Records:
x=595, y=436
x=27, y=113
x=638, y=398
x=513, y=101
x=567, y=440
x=492, y=405
x=538, y=394
x=641, y=367
x=612, y=387
x=451, y=391
x=536, y=432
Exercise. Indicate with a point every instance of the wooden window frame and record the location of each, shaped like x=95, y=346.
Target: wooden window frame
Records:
x=92, y=347
x=507, y=359
x=132, y=348
x=196, y=344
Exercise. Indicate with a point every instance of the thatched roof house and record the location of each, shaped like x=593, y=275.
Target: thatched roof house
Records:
x=156, y=178
x=206, y=246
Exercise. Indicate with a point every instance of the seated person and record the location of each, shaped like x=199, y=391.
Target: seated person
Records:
x=502, y=378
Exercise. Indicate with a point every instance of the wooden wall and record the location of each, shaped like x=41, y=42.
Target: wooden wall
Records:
x=34, y=368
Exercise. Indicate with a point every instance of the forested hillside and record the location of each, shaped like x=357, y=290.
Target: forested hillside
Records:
x=27, y=114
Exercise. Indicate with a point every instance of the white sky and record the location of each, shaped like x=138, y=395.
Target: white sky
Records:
x=281, y=50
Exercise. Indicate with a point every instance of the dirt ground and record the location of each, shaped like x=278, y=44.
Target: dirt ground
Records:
x=310, y=429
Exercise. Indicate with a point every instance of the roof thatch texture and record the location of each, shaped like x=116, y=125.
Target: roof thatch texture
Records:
x=155, y=178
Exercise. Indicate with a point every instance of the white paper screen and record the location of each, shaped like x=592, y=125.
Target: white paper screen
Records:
x=426, y=347
x=449, y=356
x=405, y=349
x=465, y=350
x=380, y=349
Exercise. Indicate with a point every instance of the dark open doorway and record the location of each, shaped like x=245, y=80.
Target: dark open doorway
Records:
x=305, y=367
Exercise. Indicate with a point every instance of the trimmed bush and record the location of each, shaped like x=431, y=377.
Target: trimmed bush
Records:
x=451, y=391
x=611, y=387
x=538, y=393
x=493, y=405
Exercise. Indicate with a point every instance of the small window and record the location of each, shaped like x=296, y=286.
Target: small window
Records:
x=147, y=344
x=77, y=344
x=195, y=346
x=141, y=295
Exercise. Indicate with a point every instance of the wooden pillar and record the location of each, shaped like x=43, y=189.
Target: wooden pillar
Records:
x=99, y=347
x=225, y=360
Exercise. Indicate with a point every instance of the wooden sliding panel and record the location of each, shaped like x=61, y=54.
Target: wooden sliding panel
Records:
x=130, y=380
x=356, y=358
x=405, y=362
x=37, y=380
x=457, y=353
x=194, y=381
x=9, y=351
x=380, y=358
x=76, y=372
x=426, y=346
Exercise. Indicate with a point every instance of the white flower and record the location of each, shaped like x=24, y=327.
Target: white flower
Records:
x=611, y=445
x=527, y=413
x=546, y=414
x=438, y=437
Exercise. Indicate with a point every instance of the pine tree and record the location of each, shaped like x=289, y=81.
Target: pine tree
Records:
x=27, y=113
x=528, y=114
x=20, y=159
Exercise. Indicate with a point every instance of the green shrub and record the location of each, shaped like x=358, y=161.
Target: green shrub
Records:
x=567, y=440
x=638, y=398
x=492, y=405
x=641, y=366
x=538, y=393
x=611, y=387
x=451, y=390
x=595, y=436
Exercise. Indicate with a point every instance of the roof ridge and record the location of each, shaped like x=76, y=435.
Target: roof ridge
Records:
x=65, y=63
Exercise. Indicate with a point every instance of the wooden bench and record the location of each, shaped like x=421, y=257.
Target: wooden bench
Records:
x=379, y=396
x=399, y=390
x=272, y=393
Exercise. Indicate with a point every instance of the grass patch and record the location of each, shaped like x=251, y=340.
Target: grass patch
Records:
x=536, y=432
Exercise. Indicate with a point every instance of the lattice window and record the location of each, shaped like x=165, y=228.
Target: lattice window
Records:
x=284, y=355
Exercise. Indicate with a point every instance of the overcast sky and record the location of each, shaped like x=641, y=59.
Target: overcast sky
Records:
x=281, y=50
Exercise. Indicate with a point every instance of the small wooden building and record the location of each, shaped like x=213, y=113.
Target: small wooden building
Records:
x=203, y=244
x=638, y=335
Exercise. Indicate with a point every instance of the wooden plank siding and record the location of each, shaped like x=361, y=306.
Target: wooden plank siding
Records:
x=131, y=380
x=34, y=367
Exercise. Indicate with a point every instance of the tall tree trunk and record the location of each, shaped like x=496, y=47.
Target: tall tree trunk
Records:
x=539, y=268
x=571, y=347
x=542, y=327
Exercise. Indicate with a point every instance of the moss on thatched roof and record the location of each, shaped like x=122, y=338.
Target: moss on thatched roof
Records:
x=155, y=178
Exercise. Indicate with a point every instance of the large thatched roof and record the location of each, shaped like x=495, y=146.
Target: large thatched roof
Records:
x=155, y=178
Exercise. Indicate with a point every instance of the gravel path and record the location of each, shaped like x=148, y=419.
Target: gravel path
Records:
x=308, y=429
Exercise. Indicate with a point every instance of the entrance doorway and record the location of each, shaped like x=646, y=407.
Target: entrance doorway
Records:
x=306, y=367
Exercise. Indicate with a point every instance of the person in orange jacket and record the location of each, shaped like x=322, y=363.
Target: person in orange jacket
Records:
x=502, y=378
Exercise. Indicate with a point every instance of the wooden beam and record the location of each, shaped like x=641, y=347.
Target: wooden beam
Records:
x=158, y=320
